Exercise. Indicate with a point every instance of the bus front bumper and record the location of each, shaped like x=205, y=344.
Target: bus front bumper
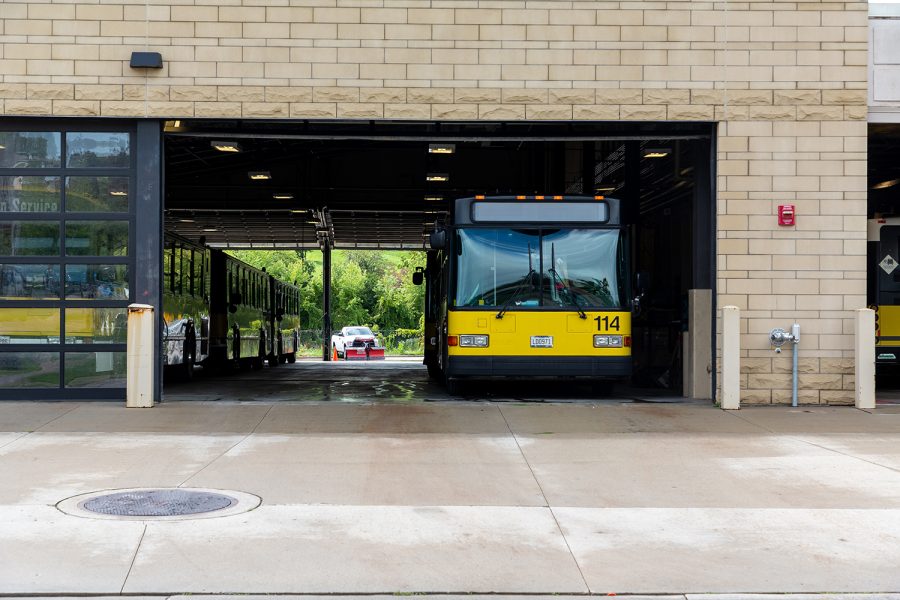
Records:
x=599, y=367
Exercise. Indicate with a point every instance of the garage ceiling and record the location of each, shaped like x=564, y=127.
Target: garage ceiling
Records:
x=366, y=184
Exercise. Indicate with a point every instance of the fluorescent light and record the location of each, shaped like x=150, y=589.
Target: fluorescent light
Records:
x=223, y=146
x=656, y=152
x=886, y=184
x=437, y=177
x=441, y=148
x=283, y=196
x=259, y=175
x=118, y=193
x=210, y=229
x=2, y=147
x=185, y=220
x=433, y=198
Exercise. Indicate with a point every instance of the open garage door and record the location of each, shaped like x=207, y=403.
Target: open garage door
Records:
x=326, y=186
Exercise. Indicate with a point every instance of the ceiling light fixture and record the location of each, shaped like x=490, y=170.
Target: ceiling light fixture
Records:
x=185, y=220
x=210, y=229
x=656, y=152
x=607, y=188
x=259, y=175
x=886, y=184
x=283, y=196
x=441, y=148
x=176, y=124
x=223, y=146
x=2, y=147
x=433, y=198
x=442, y=177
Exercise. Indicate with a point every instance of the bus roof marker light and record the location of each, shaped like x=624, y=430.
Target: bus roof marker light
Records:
x=441, y=148
x=224, y=146
x=441, y=177
x=598, y=197
x=259, y=175
x=656, y=152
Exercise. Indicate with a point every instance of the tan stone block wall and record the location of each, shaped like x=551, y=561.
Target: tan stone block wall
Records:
x=786, y=82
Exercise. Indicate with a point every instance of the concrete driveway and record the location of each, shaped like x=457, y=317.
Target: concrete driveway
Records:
x=457, y=497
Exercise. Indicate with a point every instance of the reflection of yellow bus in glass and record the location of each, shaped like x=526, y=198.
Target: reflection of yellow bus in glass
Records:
x=29, y=325
x=529, y=287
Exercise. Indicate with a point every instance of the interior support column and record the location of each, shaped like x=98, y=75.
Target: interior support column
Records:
x=326, y=301
x=699, y=353
x=148, y=232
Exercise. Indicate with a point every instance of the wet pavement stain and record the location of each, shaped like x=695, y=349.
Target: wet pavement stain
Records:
x=385, y=382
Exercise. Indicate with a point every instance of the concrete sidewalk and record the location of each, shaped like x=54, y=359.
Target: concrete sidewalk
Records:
x=457, y=497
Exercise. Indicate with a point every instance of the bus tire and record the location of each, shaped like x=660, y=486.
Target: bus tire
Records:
x=602, y=388
x=292, y=357
x=187, y=367
x=453, y=385
x=434, y=371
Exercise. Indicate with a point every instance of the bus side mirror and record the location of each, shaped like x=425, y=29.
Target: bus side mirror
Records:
x=438, y=239
x=418, y=276
x=642, y=282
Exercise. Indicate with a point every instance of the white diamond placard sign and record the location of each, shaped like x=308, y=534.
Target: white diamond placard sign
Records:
x=888, y=263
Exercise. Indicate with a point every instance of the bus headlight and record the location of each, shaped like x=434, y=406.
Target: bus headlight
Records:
x=607, y=341
x=474, y=341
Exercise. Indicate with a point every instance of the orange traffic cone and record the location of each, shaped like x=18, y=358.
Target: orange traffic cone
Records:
x=334, y=355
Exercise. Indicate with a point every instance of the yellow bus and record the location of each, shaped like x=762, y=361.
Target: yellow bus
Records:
x=529, y=286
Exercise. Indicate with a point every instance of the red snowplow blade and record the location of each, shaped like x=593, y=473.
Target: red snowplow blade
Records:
x=361, y=354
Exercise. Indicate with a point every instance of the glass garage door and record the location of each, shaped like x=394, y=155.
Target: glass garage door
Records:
x=66, y=228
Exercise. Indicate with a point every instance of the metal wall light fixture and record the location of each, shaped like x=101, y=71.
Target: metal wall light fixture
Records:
x=146, y=60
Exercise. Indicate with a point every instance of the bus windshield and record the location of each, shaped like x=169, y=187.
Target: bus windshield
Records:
x=551, y=268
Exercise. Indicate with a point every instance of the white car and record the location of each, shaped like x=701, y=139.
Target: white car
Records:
x=356, y=343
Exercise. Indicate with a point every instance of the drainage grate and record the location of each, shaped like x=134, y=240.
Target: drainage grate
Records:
x=158, y=503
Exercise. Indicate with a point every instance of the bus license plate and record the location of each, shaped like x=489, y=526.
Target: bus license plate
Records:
x=542, y=341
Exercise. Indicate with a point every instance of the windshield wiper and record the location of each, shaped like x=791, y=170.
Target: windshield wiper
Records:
x=521, y=286
x=573, y=301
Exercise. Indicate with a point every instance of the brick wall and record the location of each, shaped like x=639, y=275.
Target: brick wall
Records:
x=786, y=81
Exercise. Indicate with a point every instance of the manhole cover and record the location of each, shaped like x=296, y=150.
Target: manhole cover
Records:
x=159, y=503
